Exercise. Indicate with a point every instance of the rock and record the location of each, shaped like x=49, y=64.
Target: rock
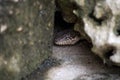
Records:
x=26, y=29
x=101, y=24
x=67, y=7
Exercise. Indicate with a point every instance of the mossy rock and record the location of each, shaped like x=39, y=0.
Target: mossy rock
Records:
x=26, y=29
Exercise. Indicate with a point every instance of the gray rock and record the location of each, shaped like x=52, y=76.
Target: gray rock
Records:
x=25, y=36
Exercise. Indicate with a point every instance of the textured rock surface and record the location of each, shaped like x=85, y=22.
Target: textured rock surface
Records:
x=25, y=36
x=101, y=23
x=79, y=63
x=75, y=63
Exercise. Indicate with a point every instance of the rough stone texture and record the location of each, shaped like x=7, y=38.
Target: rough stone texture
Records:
x=73, y=62
x=101, y=23
x=26, y=28
x=79, y=63
x=67, y=9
